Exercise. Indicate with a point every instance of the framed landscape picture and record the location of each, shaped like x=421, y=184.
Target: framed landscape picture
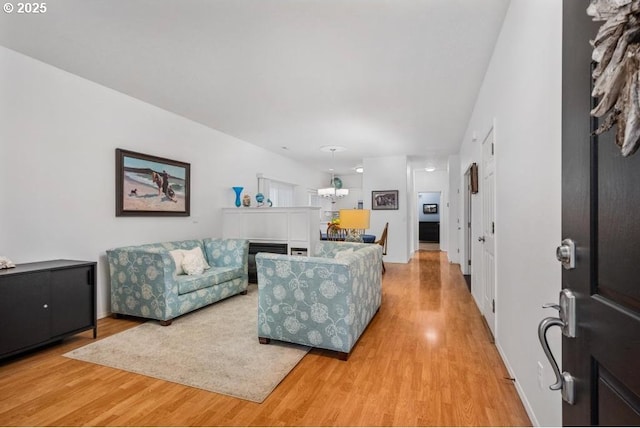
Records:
x=151, y=186
x=384, y=200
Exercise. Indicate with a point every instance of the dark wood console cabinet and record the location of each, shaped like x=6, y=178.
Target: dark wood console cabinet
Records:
x=44, y=302
x=429, y=231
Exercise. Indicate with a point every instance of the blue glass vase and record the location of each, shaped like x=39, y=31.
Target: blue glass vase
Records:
x=238, y=191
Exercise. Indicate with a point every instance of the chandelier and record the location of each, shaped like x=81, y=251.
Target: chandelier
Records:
x=336, y=190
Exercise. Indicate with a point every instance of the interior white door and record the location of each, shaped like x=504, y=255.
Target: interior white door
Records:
x=488, y=231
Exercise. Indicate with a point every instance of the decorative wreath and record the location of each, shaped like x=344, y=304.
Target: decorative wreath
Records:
x=616, y=50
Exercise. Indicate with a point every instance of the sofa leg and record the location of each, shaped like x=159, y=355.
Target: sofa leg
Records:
x=264, y=340
x=165, y=323
x=244, y=293
x=115, y=316
x=343, y=356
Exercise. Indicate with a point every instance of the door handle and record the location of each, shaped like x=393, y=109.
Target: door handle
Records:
x=566, y=321
x=480, y=238
x=564, y=381
x=545, y=324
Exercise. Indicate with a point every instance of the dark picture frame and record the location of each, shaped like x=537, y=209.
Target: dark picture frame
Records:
x=149, y=185
x=474, y=178
x=384, y=200
x=429, y=208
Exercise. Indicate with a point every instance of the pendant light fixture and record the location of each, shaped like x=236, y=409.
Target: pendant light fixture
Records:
x=336, y=190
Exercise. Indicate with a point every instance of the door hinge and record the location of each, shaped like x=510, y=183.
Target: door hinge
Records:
x=493, y=306
x=493, y=228
x=492, y=148
x=469, y=262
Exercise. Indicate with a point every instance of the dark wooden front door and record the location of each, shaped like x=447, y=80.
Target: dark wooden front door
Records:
x=601, y=213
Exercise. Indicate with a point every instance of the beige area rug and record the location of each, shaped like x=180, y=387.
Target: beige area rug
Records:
x=215, y=348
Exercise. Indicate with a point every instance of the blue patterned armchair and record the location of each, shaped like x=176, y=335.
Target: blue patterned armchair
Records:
x=325, y=301
x=145, y=281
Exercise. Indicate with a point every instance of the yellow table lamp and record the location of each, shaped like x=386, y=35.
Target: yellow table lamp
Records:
x=355, y=221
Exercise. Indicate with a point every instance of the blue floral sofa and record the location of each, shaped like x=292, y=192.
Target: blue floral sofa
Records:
x=324, y=301
x=145, y=281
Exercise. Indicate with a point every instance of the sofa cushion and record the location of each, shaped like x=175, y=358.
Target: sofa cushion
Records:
x=193, y=262
x=225, y=252
x=178, y=257
x=211, y=277
x=189, y=262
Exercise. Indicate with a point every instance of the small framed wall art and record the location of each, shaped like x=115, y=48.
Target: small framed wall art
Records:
x=151, y=186
x=474, y=178
x=429, y=208
x=384, y=200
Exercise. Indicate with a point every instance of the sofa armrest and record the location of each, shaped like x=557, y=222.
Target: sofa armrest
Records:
x=142, y=282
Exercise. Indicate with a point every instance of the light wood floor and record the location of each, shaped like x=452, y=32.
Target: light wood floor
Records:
x=425, y=360
x=429, y=246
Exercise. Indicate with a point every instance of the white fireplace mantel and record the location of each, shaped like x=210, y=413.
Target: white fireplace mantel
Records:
x=295, y=226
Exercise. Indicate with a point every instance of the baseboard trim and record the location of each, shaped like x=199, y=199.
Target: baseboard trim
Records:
x=519, y=390
x=489, y=332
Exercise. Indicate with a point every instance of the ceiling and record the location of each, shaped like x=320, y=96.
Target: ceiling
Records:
x=379, y=77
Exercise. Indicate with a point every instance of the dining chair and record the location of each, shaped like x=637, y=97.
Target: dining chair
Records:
x=383, y=242
x=335, y=233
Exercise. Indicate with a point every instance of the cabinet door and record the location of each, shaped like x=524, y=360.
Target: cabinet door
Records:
x=72, y=297
x=24, y=310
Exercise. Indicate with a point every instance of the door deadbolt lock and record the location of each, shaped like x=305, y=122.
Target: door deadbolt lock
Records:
x=566, y=254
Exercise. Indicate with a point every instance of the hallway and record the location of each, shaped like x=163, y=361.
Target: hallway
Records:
x=440, y=330
x=425, y=360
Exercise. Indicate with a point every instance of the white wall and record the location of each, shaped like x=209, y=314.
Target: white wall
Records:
x=58, y=135
x=389, y=173
x=455, y=215
x=412, y=217
x=522, y=94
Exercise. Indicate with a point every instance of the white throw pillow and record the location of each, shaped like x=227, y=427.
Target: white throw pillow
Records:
x=178, y=257
x=193, y=262
x=192, y=265
x=342, y=253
